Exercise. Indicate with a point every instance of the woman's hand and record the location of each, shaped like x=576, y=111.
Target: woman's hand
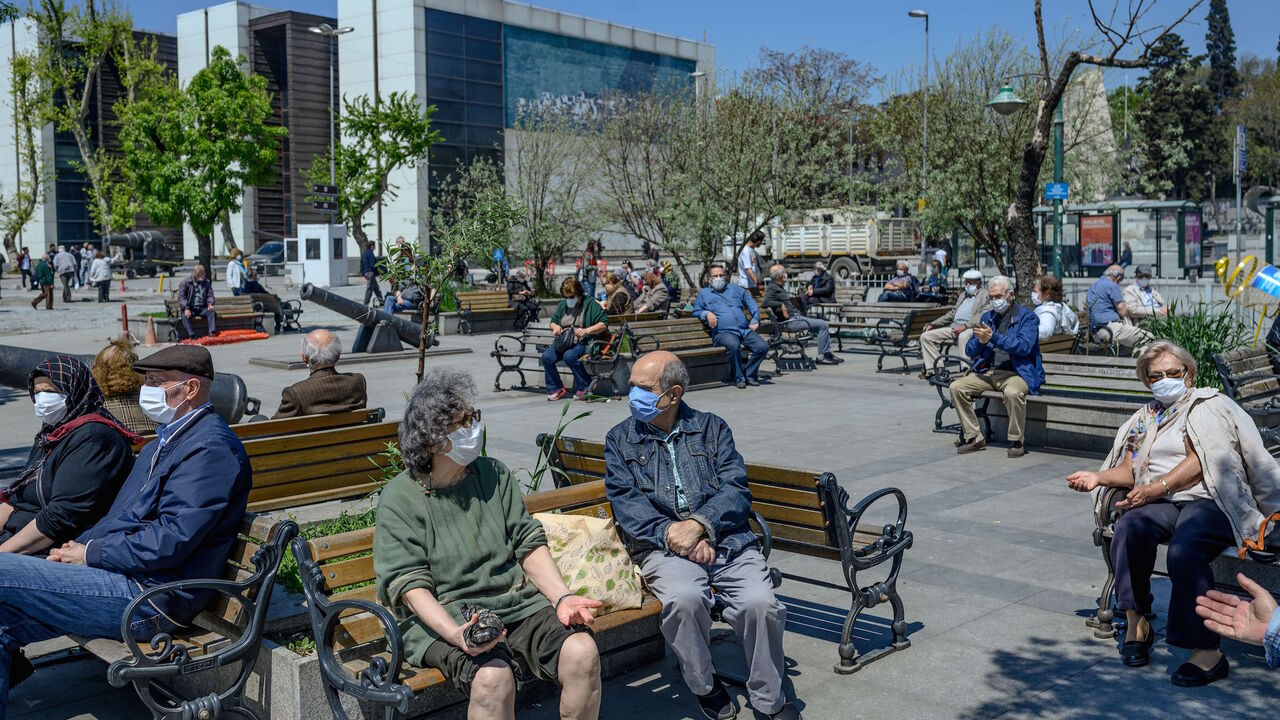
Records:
x=555, y=330
x=458, y=638
x=576, y=610
x=1083, y=481
x=1141, y=495
x=579, y=333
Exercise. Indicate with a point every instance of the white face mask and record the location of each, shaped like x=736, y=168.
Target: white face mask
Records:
x=50, y=407
x=970, y=290
x=154, y=405
x=571, y=302
x=1144, y=283
x=901, y=272
x=1000, y=305
x=466, y=442
x=718, y=283
x=1035, y=297
x=1169, y=390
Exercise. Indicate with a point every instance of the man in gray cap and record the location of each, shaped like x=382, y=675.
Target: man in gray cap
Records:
x=955, y=327
x=174, y=518
x=1143, y=300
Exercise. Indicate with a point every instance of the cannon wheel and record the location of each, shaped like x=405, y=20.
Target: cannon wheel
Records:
x=131, y=274
x=151, y=271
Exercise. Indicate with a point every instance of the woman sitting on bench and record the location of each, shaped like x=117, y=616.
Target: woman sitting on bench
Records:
x=1201, y=481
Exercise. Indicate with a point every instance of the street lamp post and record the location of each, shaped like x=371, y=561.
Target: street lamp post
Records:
x=1006, y=102
x=924, y=153
x=332, y=34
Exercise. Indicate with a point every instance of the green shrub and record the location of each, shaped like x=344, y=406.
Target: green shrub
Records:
x=345, y=522
x=1204, y=329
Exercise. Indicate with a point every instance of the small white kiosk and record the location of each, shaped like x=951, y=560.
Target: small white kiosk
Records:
x=317, y=256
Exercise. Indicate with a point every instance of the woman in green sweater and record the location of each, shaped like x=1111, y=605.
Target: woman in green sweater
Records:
x=585, y=320
x=452, y=529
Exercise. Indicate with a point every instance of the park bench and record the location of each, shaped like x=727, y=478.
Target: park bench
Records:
x=358, y=641
x=893, y=328
x=805, y=512
x=1081, y=406
x=293, y=426
x=287, y=314
x=227, y=633
x=235, y=312
x=689, y=339
x=1249, y=377
x=786, y=347
x=1263, y=568
x=523, y=353
x=845, y=295
x=619, y=320
x=487, y=308
x=949, y=367
x=317, y=466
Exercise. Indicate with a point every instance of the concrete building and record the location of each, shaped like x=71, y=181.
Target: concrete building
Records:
x=63, y=216
x=479, y=62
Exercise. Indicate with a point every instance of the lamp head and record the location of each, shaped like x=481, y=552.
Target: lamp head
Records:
x=1006, y=102
x=918, y=14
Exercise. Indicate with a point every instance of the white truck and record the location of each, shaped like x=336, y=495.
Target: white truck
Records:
x=856, y=242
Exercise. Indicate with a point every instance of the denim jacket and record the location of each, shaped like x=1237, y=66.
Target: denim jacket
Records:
x=640, y=484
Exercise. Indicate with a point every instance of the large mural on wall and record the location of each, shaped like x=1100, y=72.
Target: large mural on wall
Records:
x=546, y=72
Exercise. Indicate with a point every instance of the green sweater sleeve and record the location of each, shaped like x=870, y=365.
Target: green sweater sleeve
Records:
x=559, y=313
x=400, y=555
x=526, y=533
x=594, y=314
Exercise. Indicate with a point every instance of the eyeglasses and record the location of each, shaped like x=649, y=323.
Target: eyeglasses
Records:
x=1176, y=374
x=469, y=419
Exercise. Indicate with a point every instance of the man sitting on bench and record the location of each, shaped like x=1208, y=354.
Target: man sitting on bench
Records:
x=679, y=493
x=1005, y=348
x=820, y=289
x=903, y=287
x=955, y=327
x=195, y=299
x=174, y=518
x=777, y=300
x=326, y=390
x=721, y=308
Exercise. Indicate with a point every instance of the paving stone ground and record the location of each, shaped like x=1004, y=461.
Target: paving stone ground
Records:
x=996, y=587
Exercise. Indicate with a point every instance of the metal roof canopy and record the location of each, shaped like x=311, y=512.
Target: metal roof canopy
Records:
x=1109, y=206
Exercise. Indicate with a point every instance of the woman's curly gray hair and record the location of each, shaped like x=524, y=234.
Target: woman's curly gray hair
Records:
x=433, y=406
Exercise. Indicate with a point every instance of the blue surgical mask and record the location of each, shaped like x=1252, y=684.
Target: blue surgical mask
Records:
x=571, y=302
x=644, y=404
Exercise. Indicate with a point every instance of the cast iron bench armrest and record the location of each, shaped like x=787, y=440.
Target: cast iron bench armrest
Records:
x=377, y=682
x=894, y=537
x=170, y=658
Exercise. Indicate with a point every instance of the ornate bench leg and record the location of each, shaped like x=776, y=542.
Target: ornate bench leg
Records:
x=848, y=652
x=1101, y=620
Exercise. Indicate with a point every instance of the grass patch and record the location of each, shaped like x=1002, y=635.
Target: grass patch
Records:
x=345, y=522
x=154, y=314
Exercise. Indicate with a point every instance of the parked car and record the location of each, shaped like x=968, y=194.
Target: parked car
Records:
x=269, y=259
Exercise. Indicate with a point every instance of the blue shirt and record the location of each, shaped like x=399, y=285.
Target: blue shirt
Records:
x=1102, y=299
x=1271, y=641
x=728, y=306
x=669, y=439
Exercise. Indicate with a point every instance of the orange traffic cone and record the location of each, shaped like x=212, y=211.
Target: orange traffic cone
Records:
x=121, y=284
x=150, y=339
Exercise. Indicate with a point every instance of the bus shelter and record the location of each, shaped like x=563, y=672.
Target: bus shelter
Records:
x=1165, y=234
x=1271, y=209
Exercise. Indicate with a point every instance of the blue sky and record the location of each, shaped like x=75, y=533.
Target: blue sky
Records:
x=874, y=31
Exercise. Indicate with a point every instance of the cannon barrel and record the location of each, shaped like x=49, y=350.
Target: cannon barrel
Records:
x=408, y=332
x=135, y=241
x=229, y=396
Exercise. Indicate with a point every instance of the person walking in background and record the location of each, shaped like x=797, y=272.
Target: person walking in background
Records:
x=76, y=258
x=100, y=276
x=44, y=279
x=235, y=273
x=1126, y=256
x=369, y=269
x=749, y=264
x=587, y=268
x=24, y=266
x=65, y=266
x=87, y=255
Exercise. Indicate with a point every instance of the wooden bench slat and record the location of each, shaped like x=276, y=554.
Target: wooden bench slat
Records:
x=339, y=491
x=341, y=573
x=327, y=548
x=322, y=438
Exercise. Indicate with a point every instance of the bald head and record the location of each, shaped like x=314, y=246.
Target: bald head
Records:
x=321, y=349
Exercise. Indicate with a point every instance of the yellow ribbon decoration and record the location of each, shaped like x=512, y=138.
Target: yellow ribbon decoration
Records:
x=1220, y=267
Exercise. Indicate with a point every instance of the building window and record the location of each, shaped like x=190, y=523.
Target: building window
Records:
x=464, y=82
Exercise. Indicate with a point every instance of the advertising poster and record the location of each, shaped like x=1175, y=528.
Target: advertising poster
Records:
x=1097, y=240
x=1191, y=240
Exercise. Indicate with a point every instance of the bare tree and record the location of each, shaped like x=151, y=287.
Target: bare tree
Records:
x=27, y=96
x=828, y=82
x=1118, y=34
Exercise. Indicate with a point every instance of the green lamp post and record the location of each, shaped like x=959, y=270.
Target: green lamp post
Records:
x=1007, y=102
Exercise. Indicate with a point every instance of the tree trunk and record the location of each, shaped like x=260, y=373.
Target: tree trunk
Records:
x=228, y=239
x=11, y=247
x=204, y=243
x=684, y=269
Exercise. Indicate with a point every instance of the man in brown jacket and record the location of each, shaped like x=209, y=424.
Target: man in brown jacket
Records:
x=327, y=390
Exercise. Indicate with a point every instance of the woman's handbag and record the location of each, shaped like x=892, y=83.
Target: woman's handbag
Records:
x=566, y=339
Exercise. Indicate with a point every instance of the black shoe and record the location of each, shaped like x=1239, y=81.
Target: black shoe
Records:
x=717, y=705
x=1190, y=675
x=833, y=358
x=1137, y=653
x=753, y=382
x=788, y=712
x=20, y=668
x=1017, y=450
x=741, y=384
x=826, y=361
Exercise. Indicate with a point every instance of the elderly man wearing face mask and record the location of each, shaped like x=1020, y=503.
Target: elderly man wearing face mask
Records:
x=734, y=317
x=955, y=327
x=1005, y=348
x=174, y=518
x=453, y=530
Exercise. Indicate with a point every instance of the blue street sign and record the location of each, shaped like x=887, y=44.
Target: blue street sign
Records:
x=1055, y=191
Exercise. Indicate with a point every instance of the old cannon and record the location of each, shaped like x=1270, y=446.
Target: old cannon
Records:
x=229, y=396
x=143, y=252
x=379, y=331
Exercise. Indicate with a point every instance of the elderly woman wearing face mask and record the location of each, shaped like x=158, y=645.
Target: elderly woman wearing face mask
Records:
x=78, y=462
x=1200, y=480
x=583, y=321
x=453, y=530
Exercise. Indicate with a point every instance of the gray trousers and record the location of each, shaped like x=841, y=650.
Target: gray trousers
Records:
x=752, y=610
x=820, y=329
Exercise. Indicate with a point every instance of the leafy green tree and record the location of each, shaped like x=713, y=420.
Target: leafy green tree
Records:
x=376, y=139
x=9, y=11
x=27, y=97
x=1220, y=42
x=1255, y=108
x=191, y=151
x=478, y=217
x=1124, y=103
x=1175, y=123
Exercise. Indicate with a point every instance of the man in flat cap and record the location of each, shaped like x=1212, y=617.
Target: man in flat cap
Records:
x=174, y=518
